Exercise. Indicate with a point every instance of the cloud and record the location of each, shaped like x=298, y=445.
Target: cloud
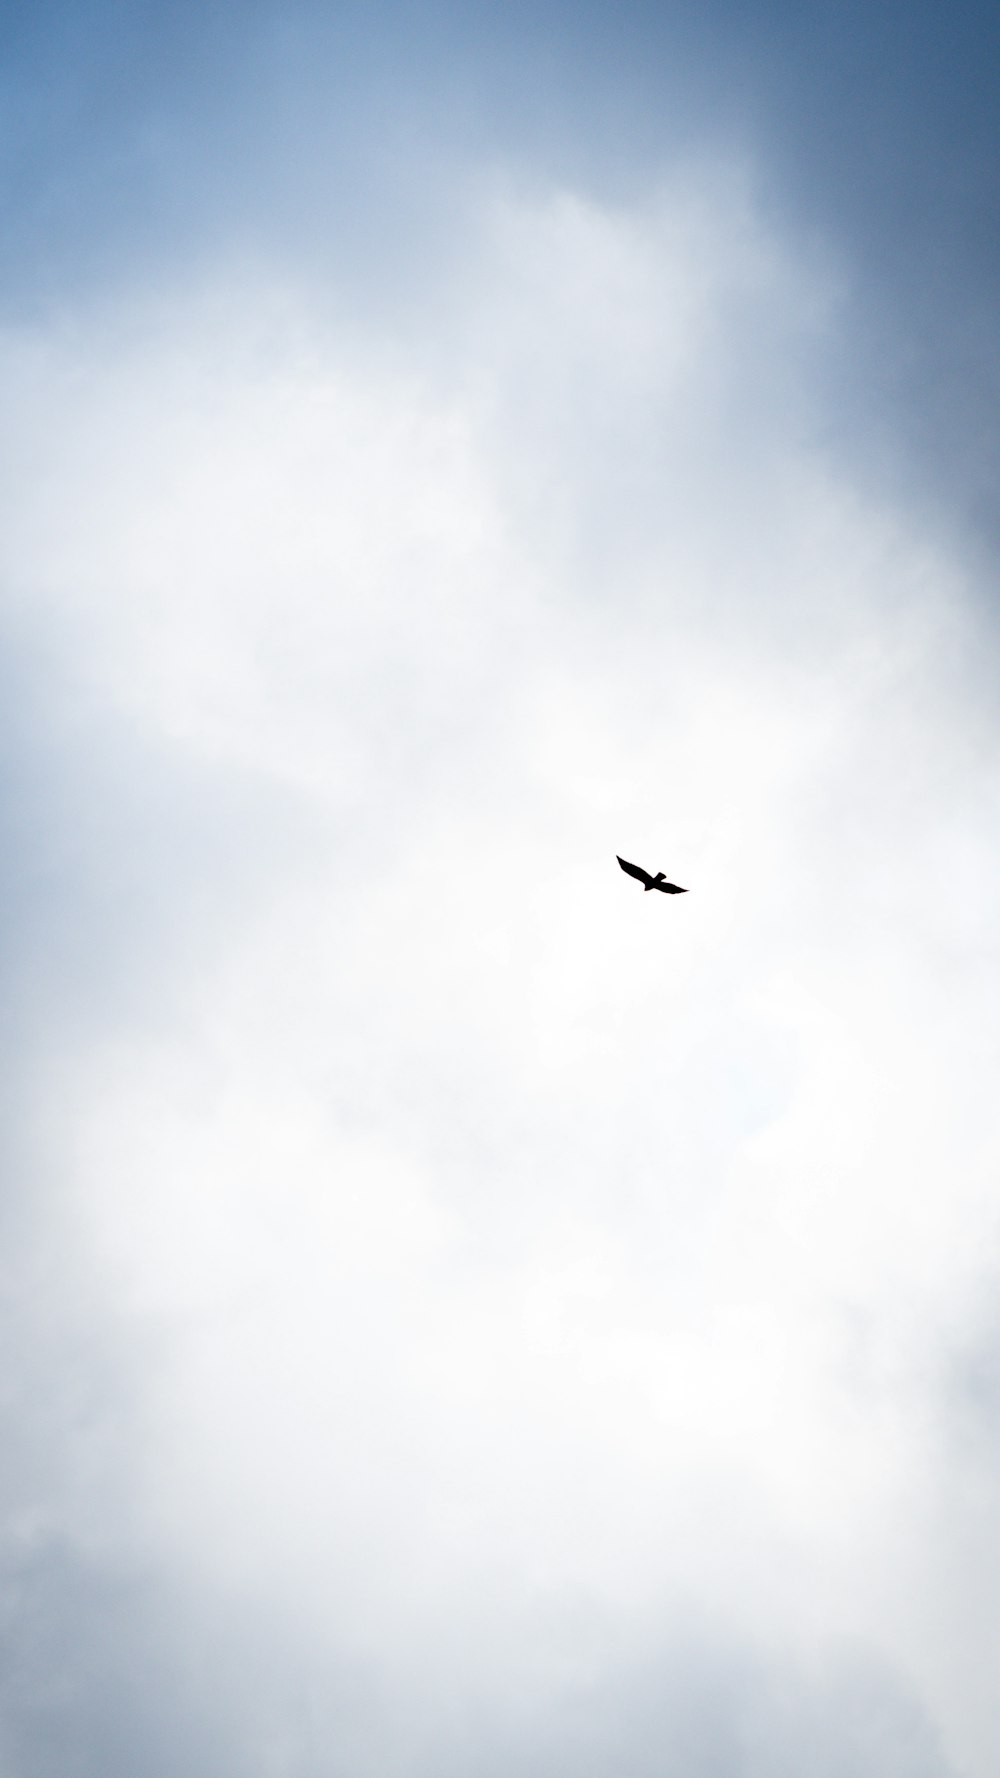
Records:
x=537, y=1307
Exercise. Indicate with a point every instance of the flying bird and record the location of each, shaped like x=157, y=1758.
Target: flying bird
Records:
x=648, y=882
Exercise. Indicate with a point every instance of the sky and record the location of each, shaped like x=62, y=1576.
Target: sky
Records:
x=462, y=1315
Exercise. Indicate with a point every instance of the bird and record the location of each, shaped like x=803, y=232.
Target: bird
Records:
x=648, y=882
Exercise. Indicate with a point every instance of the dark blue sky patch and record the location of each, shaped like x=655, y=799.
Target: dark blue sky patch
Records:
x=137, y=138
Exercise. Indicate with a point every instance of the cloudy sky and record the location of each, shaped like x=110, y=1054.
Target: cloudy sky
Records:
x=462, y=1316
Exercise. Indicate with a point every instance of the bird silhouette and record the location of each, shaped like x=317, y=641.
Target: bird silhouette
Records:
x=648, y=882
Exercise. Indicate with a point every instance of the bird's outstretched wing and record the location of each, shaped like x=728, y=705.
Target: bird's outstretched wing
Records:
x=634, y=870
x=670, y=888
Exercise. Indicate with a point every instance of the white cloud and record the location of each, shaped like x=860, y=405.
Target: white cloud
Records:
x=496, y=1239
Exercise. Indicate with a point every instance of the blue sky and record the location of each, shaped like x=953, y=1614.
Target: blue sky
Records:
x=136, y=135
x=458, y=1316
